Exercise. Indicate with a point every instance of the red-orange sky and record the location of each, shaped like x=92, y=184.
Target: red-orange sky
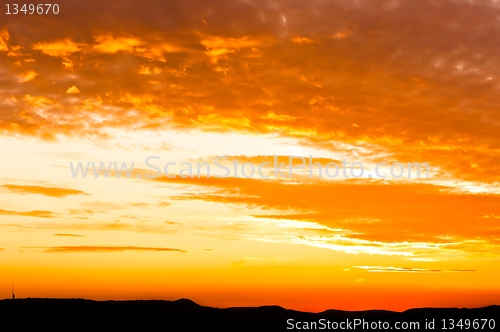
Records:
x=364, y=81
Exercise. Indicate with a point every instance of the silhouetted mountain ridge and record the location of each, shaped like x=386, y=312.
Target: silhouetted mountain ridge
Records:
x=186, y=315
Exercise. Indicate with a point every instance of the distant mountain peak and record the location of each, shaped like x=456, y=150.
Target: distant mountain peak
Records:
x=186, y=302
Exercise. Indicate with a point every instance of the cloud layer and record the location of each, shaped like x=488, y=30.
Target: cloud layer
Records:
x=417, y=80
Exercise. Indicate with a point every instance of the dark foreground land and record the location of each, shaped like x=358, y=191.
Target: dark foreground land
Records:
x=186, y=315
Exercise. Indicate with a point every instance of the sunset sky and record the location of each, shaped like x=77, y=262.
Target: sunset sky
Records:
x=356, y=80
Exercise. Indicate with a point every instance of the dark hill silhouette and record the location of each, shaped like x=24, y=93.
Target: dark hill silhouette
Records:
x=186, y=315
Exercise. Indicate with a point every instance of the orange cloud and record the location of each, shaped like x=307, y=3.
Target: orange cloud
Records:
x=28, y=76
x=131, y=44
x=77, y=249
x=4, y=39
x=73, y=89
x=218, y=46
x=279, y=117
x=61, y=48
x=232, y=74
x=399, y=217
x=68, y=235
x=38, y=101
x=406, y=269
x=302, y=40
x=34, y=213
x=109, y=44
x=47, y=191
